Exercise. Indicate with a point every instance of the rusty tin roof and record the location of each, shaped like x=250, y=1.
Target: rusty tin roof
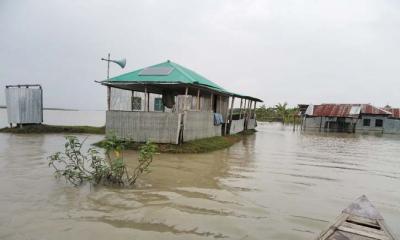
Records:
x=347, y=110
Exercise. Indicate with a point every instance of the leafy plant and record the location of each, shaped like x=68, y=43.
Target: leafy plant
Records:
x=93, y=167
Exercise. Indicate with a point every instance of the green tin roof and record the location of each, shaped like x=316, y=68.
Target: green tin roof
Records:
x=178, y=75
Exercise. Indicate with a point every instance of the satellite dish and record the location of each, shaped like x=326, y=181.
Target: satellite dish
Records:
x=121, y=62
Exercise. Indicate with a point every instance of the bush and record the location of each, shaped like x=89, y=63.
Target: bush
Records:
x=77, y=167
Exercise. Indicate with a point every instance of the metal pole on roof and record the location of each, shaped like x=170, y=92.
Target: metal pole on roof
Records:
x=108, y=66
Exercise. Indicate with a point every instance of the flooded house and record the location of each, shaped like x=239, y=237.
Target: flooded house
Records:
x=360, y=118
x=168, y=103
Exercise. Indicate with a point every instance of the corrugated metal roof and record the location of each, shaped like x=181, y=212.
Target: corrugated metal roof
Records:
x=178, y=75
x=369, y=109
x=332, y=110
x=346, y=110
x=395, y=112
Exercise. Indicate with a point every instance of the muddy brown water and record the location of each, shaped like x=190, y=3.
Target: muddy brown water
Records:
x=275, y=184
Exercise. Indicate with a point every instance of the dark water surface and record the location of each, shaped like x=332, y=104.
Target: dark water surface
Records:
x=275, y=184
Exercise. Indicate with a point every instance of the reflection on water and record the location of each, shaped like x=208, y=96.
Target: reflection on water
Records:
x=59, y=117
x=275, y=184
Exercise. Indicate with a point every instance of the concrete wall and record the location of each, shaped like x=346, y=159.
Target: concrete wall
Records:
x=251, y=124
x=313, y=123
x=199, y=125
x=159, y=127
x=391, y=126
x=360, y=128
x=237, y=126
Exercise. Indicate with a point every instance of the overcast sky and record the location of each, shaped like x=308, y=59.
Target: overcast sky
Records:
x=296, y=51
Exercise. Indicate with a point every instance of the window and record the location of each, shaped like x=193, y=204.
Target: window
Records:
x=158, y=104
x=367, y=122
x=378, y=123
x=136, y=103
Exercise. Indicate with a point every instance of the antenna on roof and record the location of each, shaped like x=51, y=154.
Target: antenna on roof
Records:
x=121, y=63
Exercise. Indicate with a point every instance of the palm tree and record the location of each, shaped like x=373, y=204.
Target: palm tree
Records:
x=282, y=111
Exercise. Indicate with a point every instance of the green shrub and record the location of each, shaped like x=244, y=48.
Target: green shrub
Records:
x=77, y=167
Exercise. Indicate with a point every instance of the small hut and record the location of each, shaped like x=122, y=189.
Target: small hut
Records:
x=24, y=104
x=352, y=118
x=168, y=103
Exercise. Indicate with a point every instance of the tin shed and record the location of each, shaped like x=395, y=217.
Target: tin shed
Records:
x=24, y=104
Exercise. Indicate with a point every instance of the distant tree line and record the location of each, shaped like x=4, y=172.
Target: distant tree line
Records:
x=278, y=113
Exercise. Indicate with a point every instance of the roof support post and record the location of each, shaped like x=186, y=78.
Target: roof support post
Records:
x=245, y=108
x=148, y=101
x=185, y=104
x=320, y=124
x=108, y=98
x=230, y=114
x=240, y=109
x=198, y=100
x=211, y=102
x=220, y=104
x=254, y=113
x=145, y=99
x=132, y=99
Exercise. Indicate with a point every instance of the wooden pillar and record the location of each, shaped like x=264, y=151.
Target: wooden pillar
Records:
x=132, y=99
x=254, y=113
x=231, y=114
x=148, y=101
x=248, y=113
x=145, y=99
x=211, y=102
x=240, y=108
x=108, y=98
x=320, y=124
x=220, y=104
x=251, y=102
x=244, y=108
x=185, y=107
x=198, y=100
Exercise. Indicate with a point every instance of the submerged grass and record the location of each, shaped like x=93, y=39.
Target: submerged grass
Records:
x=43, y=128
x=195, y=146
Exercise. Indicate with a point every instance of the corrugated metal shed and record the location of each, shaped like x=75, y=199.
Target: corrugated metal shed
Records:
x=24, y=104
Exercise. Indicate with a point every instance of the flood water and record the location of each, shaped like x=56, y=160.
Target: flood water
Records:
x=275, y=184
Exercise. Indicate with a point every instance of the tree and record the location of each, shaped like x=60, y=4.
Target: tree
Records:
x=281, y=111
